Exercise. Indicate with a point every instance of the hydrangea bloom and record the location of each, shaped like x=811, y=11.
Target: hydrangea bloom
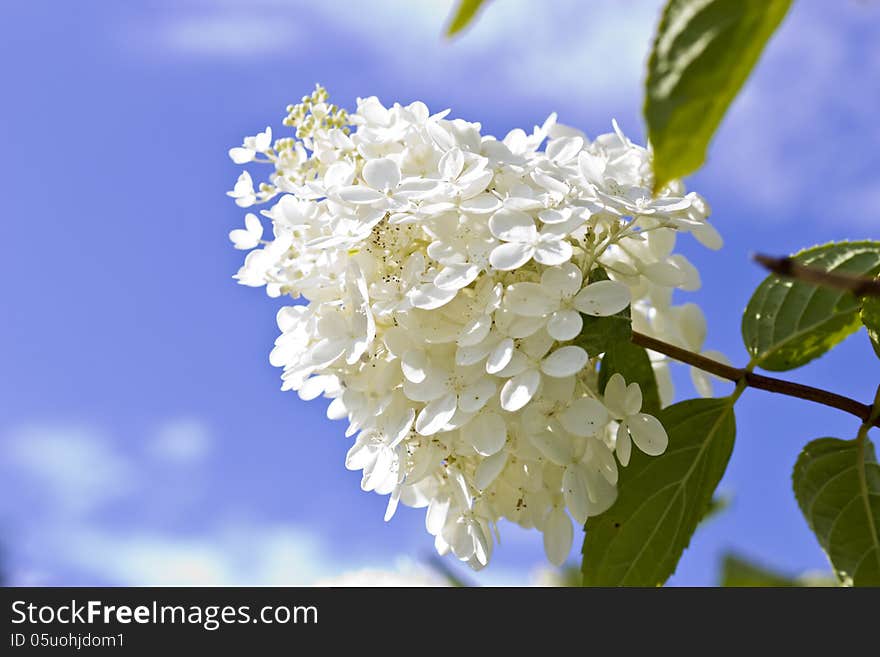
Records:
x=444, y=277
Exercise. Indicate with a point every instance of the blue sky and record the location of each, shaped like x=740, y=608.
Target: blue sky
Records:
x=143, y=438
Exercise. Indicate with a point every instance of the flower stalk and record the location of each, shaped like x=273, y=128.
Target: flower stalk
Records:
x=759, y=381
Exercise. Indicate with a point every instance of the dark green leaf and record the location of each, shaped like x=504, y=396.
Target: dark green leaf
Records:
x=737, y=571
x=600, y=333
x=464, y=14
x=870, y=315
x=703, y=52
x=632, y=363
x=789, y=323
x=662, y=499
x=837, y=485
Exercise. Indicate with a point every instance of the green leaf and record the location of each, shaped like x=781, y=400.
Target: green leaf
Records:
x=870, y=316
x=788, y=323
x=600, y=333
x=837, y=485
x=632, y=363
x=703, y=52
x=662, y=499
x=737, y=571
x=464, y=14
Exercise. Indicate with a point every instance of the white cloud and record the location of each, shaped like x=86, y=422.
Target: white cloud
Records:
x=65, y=480
x=237, y=555
x=73, y=469
x=238, y=35
x=566, y=50
x=183, y=441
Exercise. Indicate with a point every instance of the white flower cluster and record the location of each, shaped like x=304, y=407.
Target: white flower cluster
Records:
x=445, y=276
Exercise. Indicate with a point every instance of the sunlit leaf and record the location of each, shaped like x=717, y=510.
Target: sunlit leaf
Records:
x=788, y=323
x=703, y=52
x=464, y=14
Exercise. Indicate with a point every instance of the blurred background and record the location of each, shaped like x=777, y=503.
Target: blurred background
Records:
x=143, y=436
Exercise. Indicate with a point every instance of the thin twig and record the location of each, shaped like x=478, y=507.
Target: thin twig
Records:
x=752, y=380
x=789, y=268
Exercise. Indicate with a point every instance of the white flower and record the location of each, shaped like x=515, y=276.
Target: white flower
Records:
x=442, y=277
x=249, y=237
x=243, y=192
x=251, y=146
x=624, y=403
x=523, y=241
x=560, y=298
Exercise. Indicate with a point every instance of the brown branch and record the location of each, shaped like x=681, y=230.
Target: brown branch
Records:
x=789, y=268
x=752, y=380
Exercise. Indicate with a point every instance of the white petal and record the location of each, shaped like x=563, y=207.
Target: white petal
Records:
x=359, y=195
x=592, y=167
x=664, y=273
x=518, y=364
x=393, y=501
x=565, y=325
x=241, y=155
x=414, y=365
x=512, y=255
x=558, y=536
x=575, y=492
x=564, y=148
x=475, y=396
x=584, y=417
x=648, y=433
x=565, y=361
x=554, y=216
x=556, y=447
x=519, y=390
x=565, y=279
x=487, y=432
x=480, y=204
x=457, y=276
x=615, y=394
x=500, y=356
x=623, y=445
x=553, y=251
x=472, y=354
x=432, y=386
x=338, y=174
x=601, y=459
x=435, y=517
x=433, y=417
x=475, y=331
x=489, y=469
x=396, y=425
x=707, y=235
x=513, y=226
x=451, y=164
x=529, y=299
x=382, y=174
x=312, y=388
x=429, y=297
x=702, y=382
x=632, y=400
x=602, y=298
x=692, y=325
x=243, y=240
